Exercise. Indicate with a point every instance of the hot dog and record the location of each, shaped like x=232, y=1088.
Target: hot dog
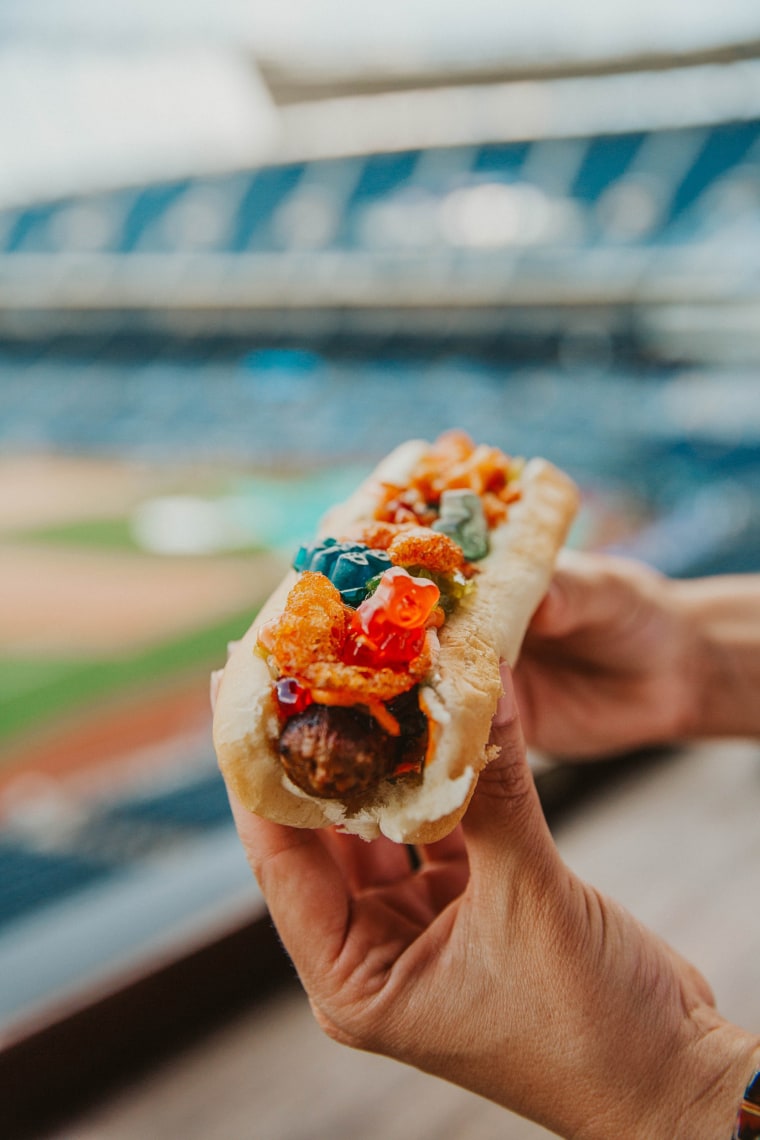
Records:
x=363, y=693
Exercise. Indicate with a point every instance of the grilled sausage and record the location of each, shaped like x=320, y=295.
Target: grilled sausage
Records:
x=336, y=752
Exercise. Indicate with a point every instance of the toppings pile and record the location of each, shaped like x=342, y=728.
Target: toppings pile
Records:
x=357, y=633
x=454, y=463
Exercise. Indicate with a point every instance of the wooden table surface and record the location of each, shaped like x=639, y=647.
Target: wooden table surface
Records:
x=677, y=840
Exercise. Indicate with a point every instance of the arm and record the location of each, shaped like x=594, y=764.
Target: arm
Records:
x=620, y=657
x=494, y=967
x=725, y=611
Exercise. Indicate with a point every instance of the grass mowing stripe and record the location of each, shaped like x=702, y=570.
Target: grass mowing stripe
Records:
x=21, y=676
x=64, y=690
x=117, y=534
x=103, y=533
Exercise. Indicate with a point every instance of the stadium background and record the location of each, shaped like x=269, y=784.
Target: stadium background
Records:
x=561, y=259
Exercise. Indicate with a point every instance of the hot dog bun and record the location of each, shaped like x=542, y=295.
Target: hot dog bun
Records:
x=459, y=696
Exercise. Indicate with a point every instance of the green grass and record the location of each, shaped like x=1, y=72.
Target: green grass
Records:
x=115, y=534
x=106, y=533
x=33, y=692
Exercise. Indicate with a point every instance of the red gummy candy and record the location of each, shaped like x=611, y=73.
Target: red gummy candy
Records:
x=388, y=628
x=292, y=698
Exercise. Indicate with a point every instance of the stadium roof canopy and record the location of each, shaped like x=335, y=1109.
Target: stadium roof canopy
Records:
x=95, y=95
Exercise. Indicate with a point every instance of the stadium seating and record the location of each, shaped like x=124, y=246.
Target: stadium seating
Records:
x=330, y=201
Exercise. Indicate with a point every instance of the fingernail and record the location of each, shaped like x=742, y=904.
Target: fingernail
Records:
x=506, y=707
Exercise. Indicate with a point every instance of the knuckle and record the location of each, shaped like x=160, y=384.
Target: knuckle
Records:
x=506, y=779
x=333, y=1030
x=348, y=1030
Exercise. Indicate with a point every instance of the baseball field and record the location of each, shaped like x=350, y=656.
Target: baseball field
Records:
x=106, y=640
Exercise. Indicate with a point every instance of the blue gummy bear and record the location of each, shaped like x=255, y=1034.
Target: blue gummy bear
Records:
x=348, y=565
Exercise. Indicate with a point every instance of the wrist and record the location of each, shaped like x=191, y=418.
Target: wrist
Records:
x=697, y=1094
x=721, y=669
x=696, y=664
x=713, y=683
x=716, y=1084
x=747, y=1126
x=706, y=1083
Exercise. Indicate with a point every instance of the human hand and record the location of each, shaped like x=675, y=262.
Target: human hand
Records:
x=611, y=660
x=493, y=966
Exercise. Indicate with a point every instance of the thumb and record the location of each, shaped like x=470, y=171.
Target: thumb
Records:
x=570, y=603
x=587, y=592
x=505, y=824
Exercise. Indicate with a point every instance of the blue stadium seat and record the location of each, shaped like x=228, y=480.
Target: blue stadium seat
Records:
x=267, y=190
x=501, y=159
x=31, y=879
x=149, y=204
x=30, y=231
x=239, y=208
x=382, y=174
x=725, y=146
x=200, y=804
x=607, y=158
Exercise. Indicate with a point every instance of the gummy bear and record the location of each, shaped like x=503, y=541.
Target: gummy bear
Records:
x=388, y=628
x=348, y=565
x=461, y=518
x=291, y=697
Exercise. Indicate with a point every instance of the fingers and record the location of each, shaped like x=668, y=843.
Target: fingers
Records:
x=448, y=850
x=587, y=592
x=367, y=865
x=505, y=827
x=315, y=881
x=304, y=887
x=571, y=602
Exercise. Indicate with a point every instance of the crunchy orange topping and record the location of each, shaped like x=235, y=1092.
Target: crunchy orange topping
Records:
x=312, y=625
x=405, y=505
x=496, y=507
x=436, y=619
x=452, y=463
x=307, y=641
x=364, y=683
x=421, y=546
x=379, y=535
